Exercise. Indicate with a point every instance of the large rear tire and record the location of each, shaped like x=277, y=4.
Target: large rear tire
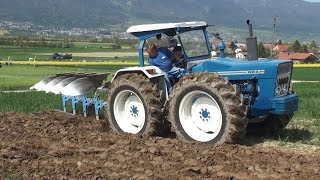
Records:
x=270, y=125
x=205, y=107
x=135, y=106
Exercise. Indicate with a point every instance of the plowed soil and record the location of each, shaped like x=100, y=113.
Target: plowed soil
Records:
x=55, y=145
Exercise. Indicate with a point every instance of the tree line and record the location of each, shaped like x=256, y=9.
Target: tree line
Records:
x=26, y=42
x=295, y=47
x=298, y=48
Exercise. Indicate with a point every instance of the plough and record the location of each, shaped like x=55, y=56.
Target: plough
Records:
x=74, y=88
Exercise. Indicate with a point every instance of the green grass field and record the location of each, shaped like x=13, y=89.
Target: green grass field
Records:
x=304, y=128
x=306, y=74
x=29, y=102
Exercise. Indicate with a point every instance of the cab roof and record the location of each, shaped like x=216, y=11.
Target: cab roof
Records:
x=163, y=26
x=146, y=30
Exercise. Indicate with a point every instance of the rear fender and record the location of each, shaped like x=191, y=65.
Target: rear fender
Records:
x=151, y=72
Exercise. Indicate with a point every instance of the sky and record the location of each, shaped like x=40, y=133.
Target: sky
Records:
x=313, y=0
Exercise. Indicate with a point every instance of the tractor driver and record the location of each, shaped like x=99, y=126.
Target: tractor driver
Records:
x=162, y=58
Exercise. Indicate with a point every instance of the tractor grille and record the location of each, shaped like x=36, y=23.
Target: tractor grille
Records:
x=283, y=79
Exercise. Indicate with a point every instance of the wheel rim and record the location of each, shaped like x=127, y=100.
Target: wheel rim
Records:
x=200, y=116
x=129, y=112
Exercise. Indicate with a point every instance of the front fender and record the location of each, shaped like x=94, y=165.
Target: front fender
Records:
x=151, y=72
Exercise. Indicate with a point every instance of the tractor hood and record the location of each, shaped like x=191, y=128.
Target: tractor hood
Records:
x=236, y=69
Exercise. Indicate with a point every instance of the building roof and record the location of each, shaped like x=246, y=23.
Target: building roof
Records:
x=281, y=48
x=154, y=27
x=295, y=56
x=268, y=46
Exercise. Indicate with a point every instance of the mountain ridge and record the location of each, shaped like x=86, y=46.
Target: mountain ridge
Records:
x=293, y=15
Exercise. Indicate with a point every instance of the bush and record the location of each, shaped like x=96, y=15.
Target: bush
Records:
x=116, y=46
x=67, y=56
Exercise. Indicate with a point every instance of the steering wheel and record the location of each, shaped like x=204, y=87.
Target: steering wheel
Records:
x=182, y=63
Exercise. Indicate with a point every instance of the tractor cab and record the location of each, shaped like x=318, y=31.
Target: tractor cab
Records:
x=191, y=36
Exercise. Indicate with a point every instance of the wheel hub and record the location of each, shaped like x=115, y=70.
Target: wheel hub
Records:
x=129, y=112
x=204, y=114
x=200, y=116
x=134, y=111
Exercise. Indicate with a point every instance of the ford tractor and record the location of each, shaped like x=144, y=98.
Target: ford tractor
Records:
x=213, y=100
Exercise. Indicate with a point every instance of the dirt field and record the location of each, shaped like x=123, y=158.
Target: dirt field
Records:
x=57, y=145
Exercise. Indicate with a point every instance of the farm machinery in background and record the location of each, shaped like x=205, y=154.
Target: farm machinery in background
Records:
x=61, y=56
x=214, y=100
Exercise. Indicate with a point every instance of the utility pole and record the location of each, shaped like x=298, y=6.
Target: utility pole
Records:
x=273, y=35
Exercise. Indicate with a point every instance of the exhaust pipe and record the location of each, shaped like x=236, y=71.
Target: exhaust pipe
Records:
x=252, y=44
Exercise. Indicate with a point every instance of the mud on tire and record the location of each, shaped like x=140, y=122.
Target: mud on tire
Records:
x=218, y=90
x=149, y=96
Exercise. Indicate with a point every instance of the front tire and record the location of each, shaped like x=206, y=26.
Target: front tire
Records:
x=270, y=125
x=134, y=106
x=206, y=108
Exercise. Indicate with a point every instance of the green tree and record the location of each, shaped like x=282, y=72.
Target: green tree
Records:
x=20, y=42
x=262, y=51
x=43, y=42
x=59, y=44
x=313, y=45
x=232, y=45
x=304, y=49
x=296, y=47
x=93, y=40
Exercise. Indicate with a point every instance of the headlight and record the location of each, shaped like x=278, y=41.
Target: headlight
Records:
x=283, y=79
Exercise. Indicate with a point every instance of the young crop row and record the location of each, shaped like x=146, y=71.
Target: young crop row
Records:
x=306, y=65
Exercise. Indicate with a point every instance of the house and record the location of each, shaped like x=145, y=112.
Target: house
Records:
x=240, y=45
x=215, y=45
x=238, y=50
x=298, y=58
x=240, y=54
x=268, y=46
x=281, y=48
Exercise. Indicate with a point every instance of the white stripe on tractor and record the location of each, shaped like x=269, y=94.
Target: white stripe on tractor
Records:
x=225, y=73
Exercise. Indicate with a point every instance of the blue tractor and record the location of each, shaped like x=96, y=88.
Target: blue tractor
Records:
x=213, y=100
